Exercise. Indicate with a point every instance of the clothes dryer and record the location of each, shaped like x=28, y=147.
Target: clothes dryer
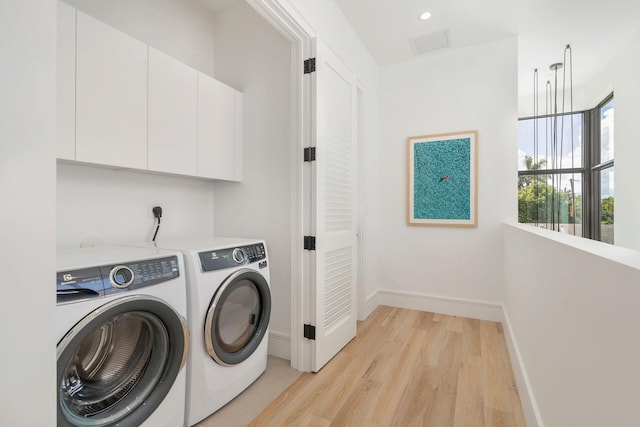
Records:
x=229, y=303
x=123, y=338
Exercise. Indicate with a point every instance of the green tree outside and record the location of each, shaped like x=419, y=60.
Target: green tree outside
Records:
x=606, y=214
x=536, y=197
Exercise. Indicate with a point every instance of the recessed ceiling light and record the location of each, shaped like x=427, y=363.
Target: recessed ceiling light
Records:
x=424, y=16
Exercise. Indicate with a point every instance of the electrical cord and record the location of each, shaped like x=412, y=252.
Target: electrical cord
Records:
x=157, y=212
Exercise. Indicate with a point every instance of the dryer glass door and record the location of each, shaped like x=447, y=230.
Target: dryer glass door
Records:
x=238, y=317
x=119, y=362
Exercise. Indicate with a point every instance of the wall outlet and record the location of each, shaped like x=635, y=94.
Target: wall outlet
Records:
x=150, y=207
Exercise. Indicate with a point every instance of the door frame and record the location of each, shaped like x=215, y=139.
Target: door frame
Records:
x=299, y=33
x=294, y=27
x=361, y=206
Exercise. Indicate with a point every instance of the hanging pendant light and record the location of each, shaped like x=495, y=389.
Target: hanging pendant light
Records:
x=536, y=180
x=554, y=145
x=557, y=157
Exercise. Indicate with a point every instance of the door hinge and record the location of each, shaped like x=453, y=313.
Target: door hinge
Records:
x=310, y=154
x=310, y=332
x=310, y=243
x=309, y=65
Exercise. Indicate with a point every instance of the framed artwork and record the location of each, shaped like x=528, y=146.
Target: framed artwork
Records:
x=443, y=179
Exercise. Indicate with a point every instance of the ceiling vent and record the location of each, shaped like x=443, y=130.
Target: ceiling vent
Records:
x=430, y=42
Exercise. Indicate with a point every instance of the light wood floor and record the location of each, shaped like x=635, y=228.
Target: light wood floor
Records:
x=407, y=368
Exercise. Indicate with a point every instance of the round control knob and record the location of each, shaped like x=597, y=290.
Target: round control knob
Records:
x=121, y=276
x=239, y=255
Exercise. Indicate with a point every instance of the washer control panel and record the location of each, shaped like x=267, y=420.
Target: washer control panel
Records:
x=121, y=276
x=86, y=283
x=220, y=259
x=136, y=275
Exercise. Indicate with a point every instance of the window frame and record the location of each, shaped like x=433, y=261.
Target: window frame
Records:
x=581, y=170
x=591, y=168
x=596, y=168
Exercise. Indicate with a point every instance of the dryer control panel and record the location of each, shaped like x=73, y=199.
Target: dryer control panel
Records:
x=86, y=283
x=220, y=259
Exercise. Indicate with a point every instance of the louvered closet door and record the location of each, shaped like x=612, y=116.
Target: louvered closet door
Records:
x=334, y=188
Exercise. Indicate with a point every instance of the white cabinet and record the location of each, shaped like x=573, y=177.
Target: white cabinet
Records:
x=122, y=103
x=173, y=101
x=111, y=96
x=219, y=130
x=66, y=82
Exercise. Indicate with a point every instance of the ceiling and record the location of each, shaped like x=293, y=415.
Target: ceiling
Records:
x=594, y=28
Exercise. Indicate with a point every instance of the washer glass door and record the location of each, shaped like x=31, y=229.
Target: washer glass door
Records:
x=117, y=364
x=238, y=317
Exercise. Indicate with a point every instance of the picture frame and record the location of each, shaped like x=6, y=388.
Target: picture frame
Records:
x=443, y=179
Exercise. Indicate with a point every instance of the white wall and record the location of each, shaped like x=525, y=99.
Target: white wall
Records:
x=258, y=62
x=572, y=304
x=181, y=29
x=455, y=90
x=581, y=101
x=106, y=206
x=27, y=234
x=621, y=77
x=572, y=307
x=115, y=204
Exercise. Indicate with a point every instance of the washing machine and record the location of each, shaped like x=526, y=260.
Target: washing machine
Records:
x=123, y=338
x=229, y=303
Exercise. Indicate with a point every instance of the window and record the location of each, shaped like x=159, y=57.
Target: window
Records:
x=603, y=172
x=565, y=161
x=551, y=172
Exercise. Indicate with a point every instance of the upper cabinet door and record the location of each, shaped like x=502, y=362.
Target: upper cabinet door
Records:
x=173, y=101
x=219, y=130
x=111, y=96
x=66, y=82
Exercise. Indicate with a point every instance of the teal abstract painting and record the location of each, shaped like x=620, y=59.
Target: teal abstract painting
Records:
x=442, y=179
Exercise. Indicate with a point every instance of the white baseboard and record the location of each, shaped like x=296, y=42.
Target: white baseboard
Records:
x=529, y=406
x=279, y=345
x=452, y=306
x=371, y=304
